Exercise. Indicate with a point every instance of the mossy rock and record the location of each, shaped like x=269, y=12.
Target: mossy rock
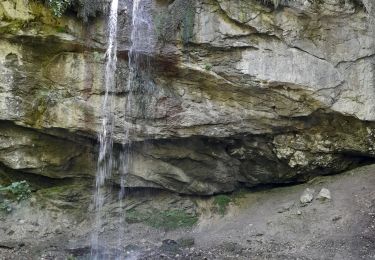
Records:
x=167, y=220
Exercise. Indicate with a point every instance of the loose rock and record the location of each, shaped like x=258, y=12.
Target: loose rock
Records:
x=324, y=194
x=307, y=196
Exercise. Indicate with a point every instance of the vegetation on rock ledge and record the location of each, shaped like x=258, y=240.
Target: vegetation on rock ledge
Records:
x=59, y=7
x=15, y=192
x=84, y=8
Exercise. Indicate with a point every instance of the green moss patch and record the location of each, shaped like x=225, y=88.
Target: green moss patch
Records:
x=167, y=220
x=221, y=203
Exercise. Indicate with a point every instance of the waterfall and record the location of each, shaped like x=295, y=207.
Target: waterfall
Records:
x=105, y=164
x=139, y=86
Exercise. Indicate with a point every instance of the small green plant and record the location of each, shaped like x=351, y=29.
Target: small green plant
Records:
x=21, y=190
x=15, y=192
x=221, y=202
x=5, y=206
x=208, y=66
x=59, y=7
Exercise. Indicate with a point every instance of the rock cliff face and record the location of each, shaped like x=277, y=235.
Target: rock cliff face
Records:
x=243, y=93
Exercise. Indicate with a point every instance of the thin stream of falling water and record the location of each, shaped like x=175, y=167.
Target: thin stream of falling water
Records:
x=138, y=86
x=139, y=82
x=105, y=160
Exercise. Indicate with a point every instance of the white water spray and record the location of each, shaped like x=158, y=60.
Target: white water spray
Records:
x=139, y=86
x=105, y=160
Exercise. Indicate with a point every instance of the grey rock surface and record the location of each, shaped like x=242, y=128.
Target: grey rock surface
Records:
x=243, y=93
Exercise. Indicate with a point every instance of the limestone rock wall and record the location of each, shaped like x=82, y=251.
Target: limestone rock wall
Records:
x=243, y=93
